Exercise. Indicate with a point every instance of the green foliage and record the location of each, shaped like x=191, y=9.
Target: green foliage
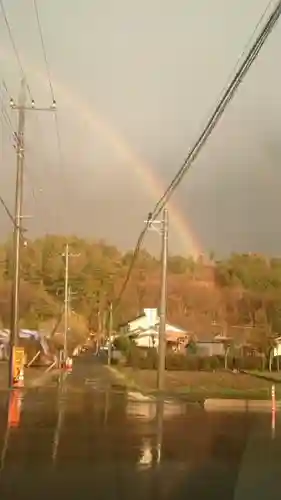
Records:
x=241, y=290
x=181, y=362
x=191, y=347
x=123, y=343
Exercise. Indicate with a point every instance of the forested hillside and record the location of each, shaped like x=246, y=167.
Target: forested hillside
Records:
x=242, y=290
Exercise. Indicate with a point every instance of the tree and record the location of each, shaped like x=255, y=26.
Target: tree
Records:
x=242, y=290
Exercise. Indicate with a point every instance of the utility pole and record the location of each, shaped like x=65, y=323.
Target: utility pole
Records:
x=152, y=225
x=66, y=302
x=21, y=107
x=17, y=231
x=110, y=327
x=163, y=304
x=67, y=255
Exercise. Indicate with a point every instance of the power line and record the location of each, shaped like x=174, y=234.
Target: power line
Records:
x=3, y=110
x=7, y=210
x=227, y=96
x=220, y=108
x=14, y=46
x=246, y=47
x=14, y=136
x=57, y=128
x=9, y=123
x=44, y=49
x=9, y=213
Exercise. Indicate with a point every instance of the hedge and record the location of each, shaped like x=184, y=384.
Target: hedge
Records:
x=148, y=360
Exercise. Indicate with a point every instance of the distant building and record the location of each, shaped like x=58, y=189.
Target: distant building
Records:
x=144, y=330
x=210, y=344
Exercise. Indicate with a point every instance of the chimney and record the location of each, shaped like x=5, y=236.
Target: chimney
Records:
x=151, y=316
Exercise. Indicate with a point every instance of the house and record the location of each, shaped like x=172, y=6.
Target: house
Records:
x=144, y=330
x=210, y=344
x=32, y=341
x=277, y=348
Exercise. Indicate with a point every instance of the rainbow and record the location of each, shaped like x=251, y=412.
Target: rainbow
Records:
x=143, y=171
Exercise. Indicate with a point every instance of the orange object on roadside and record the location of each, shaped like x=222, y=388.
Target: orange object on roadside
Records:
x=69, y=364
x=18, y=366
x=14, y=411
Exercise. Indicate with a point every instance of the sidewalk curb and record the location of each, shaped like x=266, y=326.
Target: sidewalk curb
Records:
x=253, y=405
x=122, y=379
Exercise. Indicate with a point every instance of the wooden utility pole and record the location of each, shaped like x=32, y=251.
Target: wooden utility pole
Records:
x=21, y=107
x=163, y=305
x=110, y=328
x=67, y=255
x=66, y=301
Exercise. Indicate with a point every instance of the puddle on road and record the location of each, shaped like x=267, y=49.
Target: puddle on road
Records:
x=104, y=442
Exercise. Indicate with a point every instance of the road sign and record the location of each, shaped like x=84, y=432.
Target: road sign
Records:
x=18, y=365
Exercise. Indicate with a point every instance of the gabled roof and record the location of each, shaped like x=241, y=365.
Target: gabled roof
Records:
x=131, y=320
x=140, y=332
x=208, y=337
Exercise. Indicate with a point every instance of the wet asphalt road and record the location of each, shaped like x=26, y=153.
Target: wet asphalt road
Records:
x=86, y=439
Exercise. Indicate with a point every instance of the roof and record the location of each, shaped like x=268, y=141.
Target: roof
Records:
x=168, y=323
x=208, y=337
x=143, y=332
x=131, y=320
x=26, y=335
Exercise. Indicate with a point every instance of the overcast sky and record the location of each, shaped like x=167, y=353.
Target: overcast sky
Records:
x=134, y=83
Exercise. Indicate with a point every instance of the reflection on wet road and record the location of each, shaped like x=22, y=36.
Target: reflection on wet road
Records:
x=85, y=440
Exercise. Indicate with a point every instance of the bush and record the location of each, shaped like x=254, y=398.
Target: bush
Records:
x=147, y=359
x=246, y=363
x=176, y=362
x=211, y=363
x=123, y=344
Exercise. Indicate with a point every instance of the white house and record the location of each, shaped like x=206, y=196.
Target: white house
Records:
x=145, y=330
x=277, y=348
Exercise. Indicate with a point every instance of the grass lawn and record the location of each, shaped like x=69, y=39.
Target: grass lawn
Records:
x=200, y=385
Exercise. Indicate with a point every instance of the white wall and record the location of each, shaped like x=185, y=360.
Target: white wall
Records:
x=172, y=328
x=149, y=319
x=146, y=341
x=277, y=350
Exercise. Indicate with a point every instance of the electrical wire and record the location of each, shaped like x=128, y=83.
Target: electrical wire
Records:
x=219, y=109
x=227, y=96
x=7, y=210
x=9, y=124
x=44, y=49
x=57, y=128
x=48, y=71
x=14, y=47
x=14, y=136
x=4, y=113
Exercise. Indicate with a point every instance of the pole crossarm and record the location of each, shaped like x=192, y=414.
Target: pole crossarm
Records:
x=21, y=107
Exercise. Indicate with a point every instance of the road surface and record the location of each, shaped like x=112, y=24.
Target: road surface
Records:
x=87, y=439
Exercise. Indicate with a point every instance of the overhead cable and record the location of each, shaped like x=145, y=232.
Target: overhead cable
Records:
x=220, y=108
x=227, y=96
x=14, y=47
x=44, y=49
x=57, y=128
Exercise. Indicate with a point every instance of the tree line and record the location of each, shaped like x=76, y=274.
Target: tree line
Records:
x=237, y=291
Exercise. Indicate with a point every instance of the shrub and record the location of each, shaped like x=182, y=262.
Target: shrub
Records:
x=147, y=359
x=123, y=344
x=142, y=358
x=246, y=363
x=176, y=361
x=210, y=363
